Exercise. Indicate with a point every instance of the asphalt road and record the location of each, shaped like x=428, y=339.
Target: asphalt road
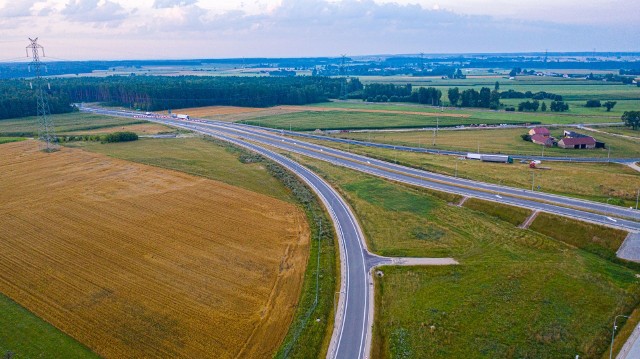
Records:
x=352, y=332
x=456, y=153
x=613, y=216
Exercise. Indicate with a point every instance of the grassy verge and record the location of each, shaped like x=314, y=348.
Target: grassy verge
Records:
x=513, y=215
x=517, y=293
x=310, y=332
x=609, y=183
x=599, y=240
x=500, y=141
x=10, y=139
x=25, y=335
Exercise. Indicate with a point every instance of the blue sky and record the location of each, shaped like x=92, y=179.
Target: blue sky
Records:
x=170, y=29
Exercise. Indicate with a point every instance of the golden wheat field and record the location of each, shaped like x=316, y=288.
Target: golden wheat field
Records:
x=137, y=261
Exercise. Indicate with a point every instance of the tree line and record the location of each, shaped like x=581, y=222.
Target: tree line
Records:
x=18, y=99
x=155, y=93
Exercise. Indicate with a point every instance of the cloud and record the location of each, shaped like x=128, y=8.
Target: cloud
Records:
x=92, y=11
x=161, y=4
x=17, y=8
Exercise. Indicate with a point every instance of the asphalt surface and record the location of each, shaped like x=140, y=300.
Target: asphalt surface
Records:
x=453, y=153
x=352, y=331
x=613, y=216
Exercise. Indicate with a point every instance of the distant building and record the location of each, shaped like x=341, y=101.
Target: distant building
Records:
x=542, y=140
x=539, y=131
x=584, y=142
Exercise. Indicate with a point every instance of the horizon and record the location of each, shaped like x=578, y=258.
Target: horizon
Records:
x=80, y=30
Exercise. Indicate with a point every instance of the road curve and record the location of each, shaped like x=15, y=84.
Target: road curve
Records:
x=352, y=332
x=612, y=216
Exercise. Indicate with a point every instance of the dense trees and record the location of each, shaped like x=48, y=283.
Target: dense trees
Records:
x=454, y=96
x=162, y=93
x=610, y=104
x=528, y=106
x=17, y=99
x=558, y=106
x=631, y=119
x=593, y=103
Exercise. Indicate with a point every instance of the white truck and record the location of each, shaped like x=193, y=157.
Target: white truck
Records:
x=183, y=117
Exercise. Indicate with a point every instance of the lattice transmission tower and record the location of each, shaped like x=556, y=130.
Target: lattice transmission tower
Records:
x=46, y=132
x=343, y=80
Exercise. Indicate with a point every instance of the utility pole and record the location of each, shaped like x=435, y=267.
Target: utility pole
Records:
x=637, y=197
x=456, y=168
x=46, y=131
x=613, y=333
x=609, y=155
x=533, y=176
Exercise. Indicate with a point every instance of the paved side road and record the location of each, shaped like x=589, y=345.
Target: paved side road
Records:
x=631, y=349
x=354, y=316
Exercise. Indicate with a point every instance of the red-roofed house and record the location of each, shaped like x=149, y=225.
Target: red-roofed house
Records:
x=539, y=131
x=577, y=142
x=542, y=140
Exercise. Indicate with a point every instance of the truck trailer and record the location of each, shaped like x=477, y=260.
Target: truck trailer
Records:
x=496, y=158
x=183, y=117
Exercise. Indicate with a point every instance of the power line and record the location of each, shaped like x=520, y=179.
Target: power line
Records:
x=46, y=131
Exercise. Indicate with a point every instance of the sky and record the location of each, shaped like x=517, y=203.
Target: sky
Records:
x=185, y=29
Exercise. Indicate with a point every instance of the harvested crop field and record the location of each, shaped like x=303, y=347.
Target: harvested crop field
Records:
x=137, y=261
x=233, y=113
x=140, y=128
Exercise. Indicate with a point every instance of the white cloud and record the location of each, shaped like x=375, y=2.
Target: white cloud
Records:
x=160, y=4
x=192, y=28
x=94, y=11
x=17, y=8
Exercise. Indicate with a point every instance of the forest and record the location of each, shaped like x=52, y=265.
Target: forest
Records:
x=154, y=93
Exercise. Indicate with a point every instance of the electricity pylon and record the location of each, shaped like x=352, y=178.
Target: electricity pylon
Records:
x=46, y=132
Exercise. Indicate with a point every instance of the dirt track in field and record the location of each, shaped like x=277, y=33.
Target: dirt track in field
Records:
x=137, y=261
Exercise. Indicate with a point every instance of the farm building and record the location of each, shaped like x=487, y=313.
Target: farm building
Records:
x=539, y=131
x=542, y=140
x=577, y=142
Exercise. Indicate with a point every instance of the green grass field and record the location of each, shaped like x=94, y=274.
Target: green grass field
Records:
x=517, y=293
x=610, y=183
x=337, y=120
x=68, y=122
x=500, y=141
x=10, y=139
x=27, y=336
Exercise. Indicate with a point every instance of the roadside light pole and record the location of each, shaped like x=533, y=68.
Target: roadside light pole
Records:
x=533, y=176
x=637, y=197
x=613, y=333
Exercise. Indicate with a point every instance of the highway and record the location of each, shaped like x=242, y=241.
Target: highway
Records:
x=351, y=337
x=452, y=153
x=613, y=216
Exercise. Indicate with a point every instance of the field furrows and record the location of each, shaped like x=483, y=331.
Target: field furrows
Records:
x=136, y=261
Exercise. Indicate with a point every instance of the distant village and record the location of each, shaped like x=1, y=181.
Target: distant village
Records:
x=570, y=139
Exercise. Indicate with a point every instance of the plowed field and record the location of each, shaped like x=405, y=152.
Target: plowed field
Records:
x=137, y=261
